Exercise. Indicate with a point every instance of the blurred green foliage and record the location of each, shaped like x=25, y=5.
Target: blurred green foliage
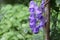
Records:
x=55, y=18
x=14, y=23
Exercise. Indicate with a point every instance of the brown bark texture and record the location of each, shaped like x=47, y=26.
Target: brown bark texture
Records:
x=47, y=15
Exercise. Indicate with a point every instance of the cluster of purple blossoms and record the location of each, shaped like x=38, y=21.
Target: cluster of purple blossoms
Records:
x=36, y=14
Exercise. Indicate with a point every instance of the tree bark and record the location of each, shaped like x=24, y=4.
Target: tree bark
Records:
x=47, y=15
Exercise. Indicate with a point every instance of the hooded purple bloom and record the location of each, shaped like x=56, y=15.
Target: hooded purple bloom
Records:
x=35, y=30
x=42, y=22
x=32, y=4
x=38, y=14
x=32, y=25
x=42, y=6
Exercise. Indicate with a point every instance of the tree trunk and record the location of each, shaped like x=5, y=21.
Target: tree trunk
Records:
x=47, y=15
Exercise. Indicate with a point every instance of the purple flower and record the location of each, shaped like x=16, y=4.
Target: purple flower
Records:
x=42, y=7
x=39, y=16
x=36, y=13
x=32, y=14
x=42, y=4
x=42, y=22
x=31, y=9
x=35, y=30
x=31, y=21
x=32, y=4
x=32, y=25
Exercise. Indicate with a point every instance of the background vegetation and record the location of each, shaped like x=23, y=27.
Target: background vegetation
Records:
x=14, y=21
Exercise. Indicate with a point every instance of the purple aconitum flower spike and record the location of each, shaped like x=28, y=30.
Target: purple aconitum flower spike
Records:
x=32, y=14
x=36, y=14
